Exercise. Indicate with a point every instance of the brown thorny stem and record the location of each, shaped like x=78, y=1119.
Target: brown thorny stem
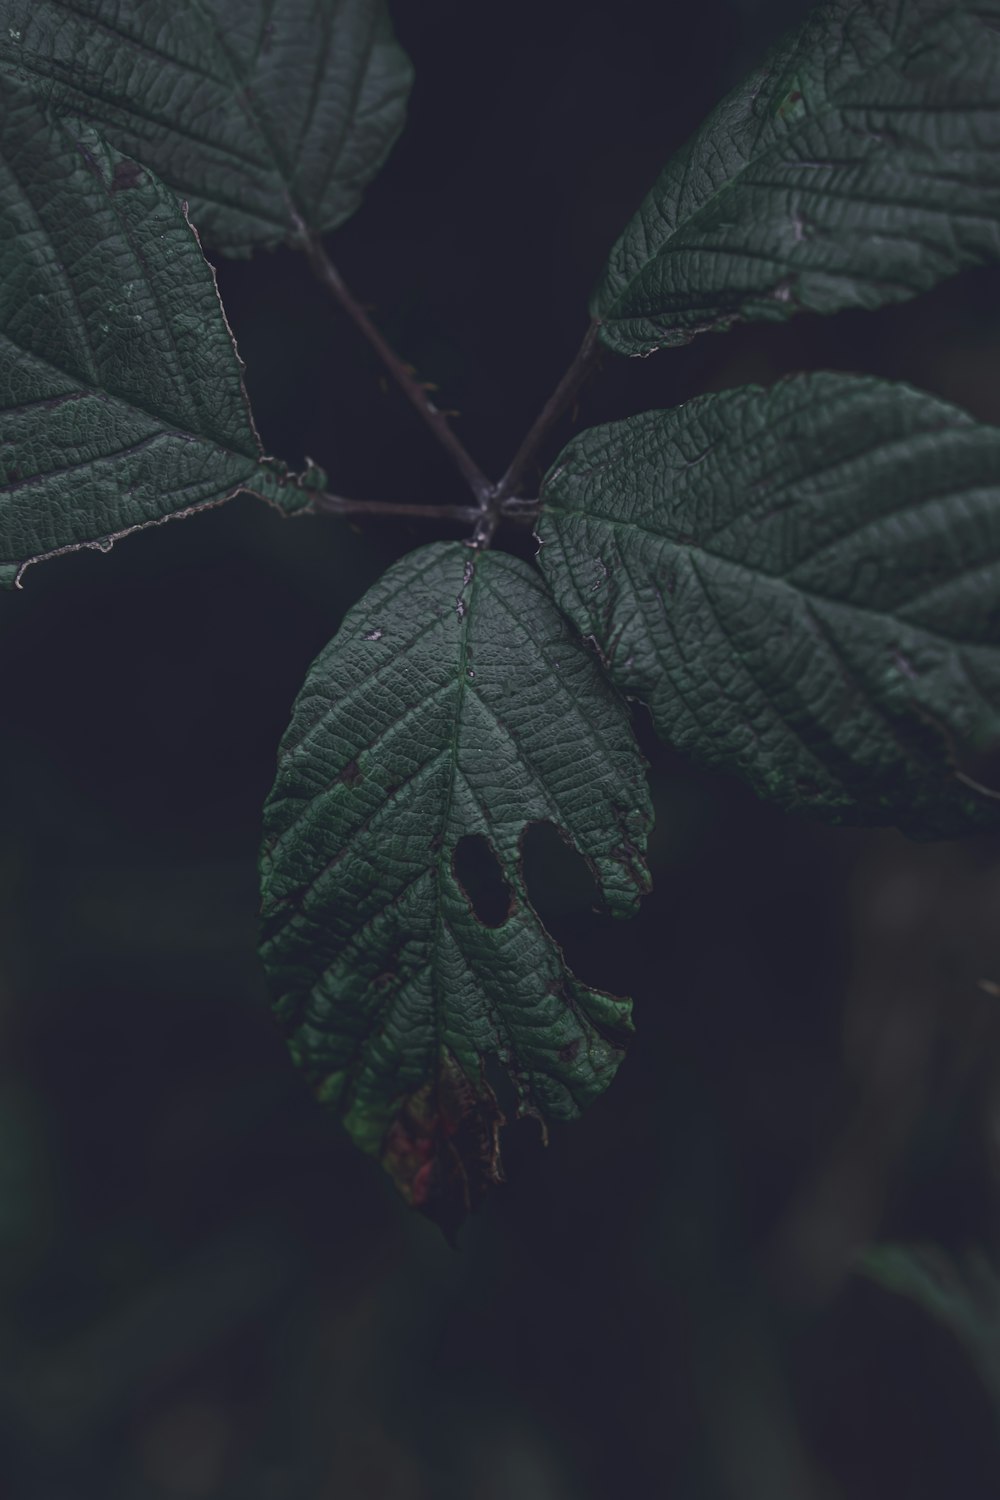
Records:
x=493, y=501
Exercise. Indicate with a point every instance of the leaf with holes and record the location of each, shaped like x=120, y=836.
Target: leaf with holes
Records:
x=804, y=586
x=121, y=392
x=258, y=112
x=858, y=166
x=453, y=709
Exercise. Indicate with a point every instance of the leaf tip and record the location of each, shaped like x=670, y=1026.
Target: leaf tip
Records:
x=442, y=1148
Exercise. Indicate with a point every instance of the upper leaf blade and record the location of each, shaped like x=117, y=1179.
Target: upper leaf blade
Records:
x=121, y=392
x=858, y=166
x=802, y=583
x=259, y=113
x=454, y=702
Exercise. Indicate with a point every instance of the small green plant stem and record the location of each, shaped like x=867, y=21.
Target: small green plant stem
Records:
x=402, y=373
x=518, y=511
x=338, y=505
x=495, y=501
x=500, y=502
x=562, y=398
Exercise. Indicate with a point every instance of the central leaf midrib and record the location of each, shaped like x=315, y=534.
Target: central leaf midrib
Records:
x=357, y=89
x=445, y=853
x=240, y=85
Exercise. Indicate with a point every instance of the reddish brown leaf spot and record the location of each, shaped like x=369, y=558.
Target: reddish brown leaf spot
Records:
x=351, y=774
x=127, y=174
x=442, y=1150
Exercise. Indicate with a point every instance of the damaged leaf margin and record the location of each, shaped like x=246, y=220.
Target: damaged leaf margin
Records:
x=454, y=701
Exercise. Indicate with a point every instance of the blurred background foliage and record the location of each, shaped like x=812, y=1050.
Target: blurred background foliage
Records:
x=205, y=1292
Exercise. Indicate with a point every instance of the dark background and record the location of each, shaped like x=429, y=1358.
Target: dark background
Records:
x=205, y=1292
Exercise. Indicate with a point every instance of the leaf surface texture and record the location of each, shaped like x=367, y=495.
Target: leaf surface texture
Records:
x=257, y=112
x=858, y=166
x=454, y=702
x=121, y=392
x=803, y=585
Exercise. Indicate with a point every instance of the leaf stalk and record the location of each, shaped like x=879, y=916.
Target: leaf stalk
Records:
x=340, y=505
x=569, y=387
x=415, y=391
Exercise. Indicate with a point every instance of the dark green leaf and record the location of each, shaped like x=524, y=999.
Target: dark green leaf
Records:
x=255, y=111
x=858, y=166
x=121, y=393
x=802, y=583
x=453, y=705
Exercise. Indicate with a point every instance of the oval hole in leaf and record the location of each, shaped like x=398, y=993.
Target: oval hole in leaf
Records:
x=479, y=873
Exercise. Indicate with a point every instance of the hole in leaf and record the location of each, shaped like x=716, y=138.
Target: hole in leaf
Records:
x=558, y=877
x=479, y=873
x=568, y=900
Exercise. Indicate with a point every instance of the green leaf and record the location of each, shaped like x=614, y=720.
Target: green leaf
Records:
x=858, y=166
x=803, y=585
x=258, y=112
x=963, y=1296
x=454, y=704
x=121, y=393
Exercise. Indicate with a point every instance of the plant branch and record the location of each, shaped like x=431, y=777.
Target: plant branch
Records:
x=518, y=509
x=338, y=505
x=561, y=399
x=327, y=273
